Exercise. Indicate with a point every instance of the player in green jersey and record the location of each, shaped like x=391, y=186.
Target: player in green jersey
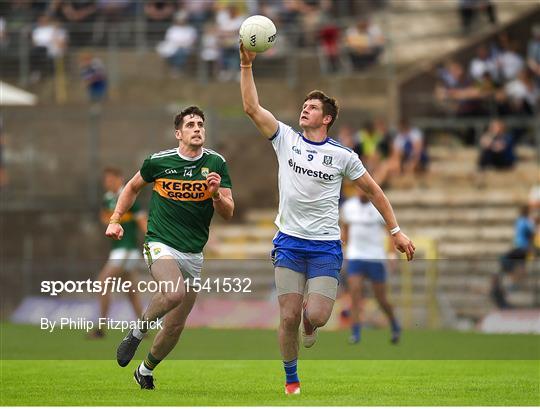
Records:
x=124, y=255
x=189, y=183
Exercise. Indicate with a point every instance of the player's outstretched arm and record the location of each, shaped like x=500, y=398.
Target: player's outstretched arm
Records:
x=124, y=203
x=381, y=203
x=262, y=118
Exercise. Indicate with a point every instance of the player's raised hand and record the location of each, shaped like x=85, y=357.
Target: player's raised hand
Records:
x=246, y=57
x=404, y=245
x=114, y=231
x=214, y=181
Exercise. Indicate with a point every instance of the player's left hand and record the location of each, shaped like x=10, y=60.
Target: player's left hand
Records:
x=404, y=245
x=214, y=181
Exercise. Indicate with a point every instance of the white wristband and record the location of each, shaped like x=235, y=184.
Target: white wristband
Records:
x=395, y=230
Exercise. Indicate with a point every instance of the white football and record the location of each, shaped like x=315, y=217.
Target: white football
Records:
x=258, y=33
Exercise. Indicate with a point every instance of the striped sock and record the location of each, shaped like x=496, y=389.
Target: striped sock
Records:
x=150, y=363
x=291, y=374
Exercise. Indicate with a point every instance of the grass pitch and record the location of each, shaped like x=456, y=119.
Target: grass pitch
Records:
x=227, y=379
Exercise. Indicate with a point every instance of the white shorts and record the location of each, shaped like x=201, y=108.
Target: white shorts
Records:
x=188, y=263
x=127, y=259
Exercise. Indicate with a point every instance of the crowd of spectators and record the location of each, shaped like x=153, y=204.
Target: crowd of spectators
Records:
x=387, y=153
x=498, y=80
x=182, y=29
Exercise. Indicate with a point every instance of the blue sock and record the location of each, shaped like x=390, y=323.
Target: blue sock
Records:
x=395, y=325
x=355, y=330
x=291, y=373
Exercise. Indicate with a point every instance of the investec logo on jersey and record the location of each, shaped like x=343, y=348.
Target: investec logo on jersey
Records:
x=313, y=173
x=185, y=190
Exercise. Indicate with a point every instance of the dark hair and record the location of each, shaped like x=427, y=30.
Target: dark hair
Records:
x=330, y=105
x=192, y=110
x=110, y=170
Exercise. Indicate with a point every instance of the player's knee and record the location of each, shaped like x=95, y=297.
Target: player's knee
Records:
x=318, y=317
x=173, y=299
x=291, y=319
x=383, y=302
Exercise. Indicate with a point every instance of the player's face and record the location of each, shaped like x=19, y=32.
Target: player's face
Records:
x=312, y=115
x=111, y=183
x=192, y=132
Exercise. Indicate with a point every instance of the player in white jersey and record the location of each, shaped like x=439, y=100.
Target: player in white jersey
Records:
x=307, y=248
x=363, y=233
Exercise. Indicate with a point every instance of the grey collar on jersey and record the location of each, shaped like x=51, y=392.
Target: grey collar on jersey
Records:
x=187, y=157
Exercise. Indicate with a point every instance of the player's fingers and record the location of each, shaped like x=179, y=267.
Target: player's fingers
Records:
x=410, y=253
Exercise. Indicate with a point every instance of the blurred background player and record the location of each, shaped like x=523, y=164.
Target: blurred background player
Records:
x=124, y=256
x=513, y=262
x=307, y=248
x=363, y=232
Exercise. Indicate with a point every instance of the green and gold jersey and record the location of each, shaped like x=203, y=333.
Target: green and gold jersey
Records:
x=128, y=222
x=181, y=207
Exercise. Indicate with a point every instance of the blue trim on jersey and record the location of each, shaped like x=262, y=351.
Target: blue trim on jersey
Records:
x=374, y=270
x=314, y=258
x=311, y=142
x=335, y=143
x=275, y=134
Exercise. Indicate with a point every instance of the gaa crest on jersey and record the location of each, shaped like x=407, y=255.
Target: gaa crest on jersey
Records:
x=205, y=172
x=157, y=250
x=327, y=160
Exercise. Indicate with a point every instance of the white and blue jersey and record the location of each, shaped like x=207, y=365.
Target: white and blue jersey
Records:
x=365, y=248
x=310, y=177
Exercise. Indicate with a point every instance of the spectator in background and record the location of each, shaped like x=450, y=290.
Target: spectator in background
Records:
x=289, y=18
x=229, y=20
x=77, y=12
x=534, y=198
x=49, y=42
x=509, y=61
x=94, y=76
x=533, y=52
x=199, y=12
x=311, y=20
x=348, y=139
x=483, y=64
x=364, y=42
x=179, y=42
x=51, y=36
x=370, y=139
x=496, y=147
x=113, y=16
x=469, y=10
x=386, y=140
x=210, y=51
x=520, y=96
x=409, y=154
x=4, y=40
x=458, y=93
x=329, y=50
x=159, y=15
x=513, y=262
